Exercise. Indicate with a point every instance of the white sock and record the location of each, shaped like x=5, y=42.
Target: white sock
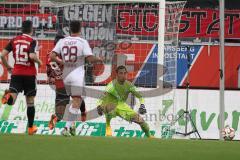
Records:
x=74, y=110
x=69, y=124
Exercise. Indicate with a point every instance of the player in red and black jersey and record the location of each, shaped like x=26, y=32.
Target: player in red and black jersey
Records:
x=23, y=76
x=54, y=73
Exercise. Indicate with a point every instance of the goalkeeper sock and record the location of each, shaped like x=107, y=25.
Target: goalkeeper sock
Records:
x=145, y=129
x=30, y=115
x=108, y=119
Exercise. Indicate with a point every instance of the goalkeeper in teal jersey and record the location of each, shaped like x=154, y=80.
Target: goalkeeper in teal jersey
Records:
x=113, y=103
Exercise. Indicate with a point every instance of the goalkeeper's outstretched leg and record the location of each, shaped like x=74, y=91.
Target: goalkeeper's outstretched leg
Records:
x=124, y=111
x=144, y=126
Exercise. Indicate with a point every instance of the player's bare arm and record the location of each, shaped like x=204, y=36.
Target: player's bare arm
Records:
x=3, y=55
x=55, y=58
x=94, y=59
x=34, y=57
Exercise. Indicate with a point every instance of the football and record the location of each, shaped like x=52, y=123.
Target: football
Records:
x=228, y=133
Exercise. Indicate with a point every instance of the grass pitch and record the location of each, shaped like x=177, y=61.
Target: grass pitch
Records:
x=23, y=147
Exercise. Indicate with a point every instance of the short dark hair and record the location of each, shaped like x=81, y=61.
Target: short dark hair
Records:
x=57, y=38
x=75, y=26
x=27, y=26
x=121, y=67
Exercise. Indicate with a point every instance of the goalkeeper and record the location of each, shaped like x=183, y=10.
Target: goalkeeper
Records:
x=113, y=103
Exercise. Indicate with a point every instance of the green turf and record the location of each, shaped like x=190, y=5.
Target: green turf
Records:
x=23, y=147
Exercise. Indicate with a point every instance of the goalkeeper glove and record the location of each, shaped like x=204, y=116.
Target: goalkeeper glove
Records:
x=100, y=110
x=142, y=109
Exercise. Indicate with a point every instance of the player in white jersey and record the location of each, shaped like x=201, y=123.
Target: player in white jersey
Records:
x=73, y=51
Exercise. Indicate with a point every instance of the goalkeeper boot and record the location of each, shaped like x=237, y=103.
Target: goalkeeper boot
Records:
x=65, y=132
x=73, y=130
x=52, y=122
x=83, y=116
x=108, y=131
x=6, y=97
x=32, y=130
x=151, y=136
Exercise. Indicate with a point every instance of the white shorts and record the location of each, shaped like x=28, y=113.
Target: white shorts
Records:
x=74, y=84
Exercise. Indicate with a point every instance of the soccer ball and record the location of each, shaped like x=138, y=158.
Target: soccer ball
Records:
x=228, y=133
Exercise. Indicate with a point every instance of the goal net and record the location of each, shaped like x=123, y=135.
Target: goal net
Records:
x=143, y=36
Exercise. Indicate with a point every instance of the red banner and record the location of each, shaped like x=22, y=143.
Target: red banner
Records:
x=137, y=21
x=205, y=23
x=141, y=22
x=194, y=22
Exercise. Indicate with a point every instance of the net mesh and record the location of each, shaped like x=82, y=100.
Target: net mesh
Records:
x=123, y=33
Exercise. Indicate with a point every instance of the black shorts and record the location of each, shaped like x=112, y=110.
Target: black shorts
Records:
x=21, y=83
x=62, y=98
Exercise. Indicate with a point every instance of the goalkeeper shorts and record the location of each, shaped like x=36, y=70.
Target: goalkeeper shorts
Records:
x=122, y=110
